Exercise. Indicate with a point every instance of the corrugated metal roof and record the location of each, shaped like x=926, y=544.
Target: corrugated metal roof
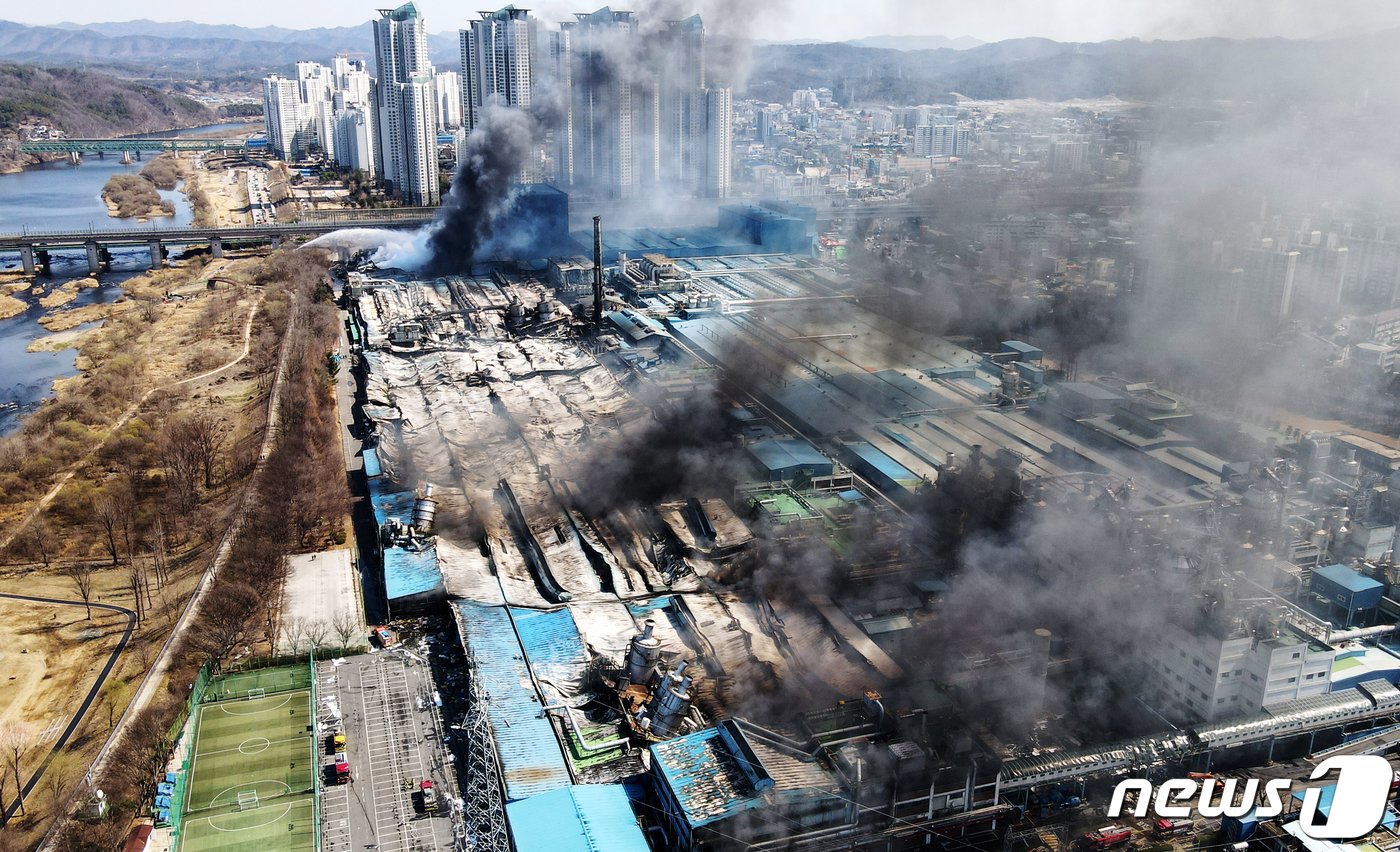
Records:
x=1348, y=579
x=410, y=572
x=783, y=453
x=879, y=460
x=531, y=760
x=581, y=818
x=705, y=777
x=553, y=646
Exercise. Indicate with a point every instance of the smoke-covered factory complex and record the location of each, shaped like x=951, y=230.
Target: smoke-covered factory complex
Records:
x=690, y=505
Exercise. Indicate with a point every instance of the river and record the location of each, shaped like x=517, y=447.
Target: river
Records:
x=60, y=196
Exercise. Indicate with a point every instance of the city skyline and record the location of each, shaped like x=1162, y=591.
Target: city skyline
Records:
x=826, y=20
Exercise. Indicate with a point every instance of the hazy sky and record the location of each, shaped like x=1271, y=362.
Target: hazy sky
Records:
x=780, y=20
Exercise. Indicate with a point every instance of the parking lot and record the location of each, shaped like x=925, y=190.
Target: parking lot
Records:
x=384, y=700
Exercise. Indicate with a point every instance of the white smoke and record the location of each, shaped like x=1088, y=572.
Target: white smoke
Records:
x=406, y=250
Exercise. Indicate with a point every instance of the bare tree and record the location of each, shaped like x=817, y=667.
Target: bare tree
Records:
x=39, y=540
x=179, y=455
x=189, y=446
x=293, y=633
x=316, y=633
x=81, y=575
x=346, y=625
x=207, y=436
x=107, y=513
x=224, y=618
x=136, y=580
x=159, y=553
x=114, y=697
x=15, y=739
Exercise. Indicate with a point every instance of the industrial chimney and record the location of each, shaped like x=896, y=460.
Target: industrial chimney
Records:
x=597, y=274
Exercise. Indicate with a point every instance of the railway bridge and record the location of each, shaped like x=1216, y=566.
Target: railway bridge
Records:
x=34, y=247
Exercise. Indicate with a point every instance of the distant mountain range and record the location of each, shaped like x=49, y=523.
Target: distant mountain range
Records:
x=200, y=50
x=85, y=103
x=1269, y=71
x=893, y=42
x=884, y=69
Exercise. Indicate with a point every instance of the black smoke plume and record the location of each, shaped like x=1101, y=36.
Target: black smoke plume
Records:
x=494, y=155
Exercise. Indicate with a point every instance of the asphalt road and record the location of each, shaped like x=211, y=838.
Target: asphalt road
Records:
x=92, y=693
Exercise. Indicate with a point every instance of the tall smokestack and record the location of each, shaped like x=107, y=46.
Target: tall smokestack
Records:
x=597, y=274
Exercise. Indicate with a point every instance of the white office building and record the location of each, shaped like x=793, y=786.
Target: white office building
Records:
x=1210, y=673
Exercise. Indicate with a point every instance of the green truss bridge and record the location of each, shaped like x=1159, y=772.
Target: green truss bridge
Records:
x=103, y=146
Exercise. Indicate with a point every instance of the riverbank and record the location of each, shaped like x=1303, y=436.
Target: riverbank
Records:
x=108, y=444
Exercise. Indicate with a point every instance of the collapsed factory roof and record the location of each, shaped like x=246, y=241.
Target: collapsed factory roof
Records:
x=719, y=772
x=484, y=388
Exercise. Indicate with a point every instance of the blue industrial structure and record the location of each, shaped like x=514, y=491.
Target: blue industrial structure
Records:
x=1023, y=351
x=580, y=818
x=783, y=459
x=789, y=229
x=708, y=780
x=1346, y=590
x=884, y=472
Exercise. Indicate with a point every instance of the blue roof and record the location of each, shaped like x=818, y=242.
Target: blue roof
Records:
x=708, y=778
x=409, y=572
x=784, y=453
x=1019, y=346
x=371, y=457
x=582, y=818
x=551, y=641
x=1324, y=805
x=877, y=459
x=531, y=761
x=406, y=572
x=1347, y=578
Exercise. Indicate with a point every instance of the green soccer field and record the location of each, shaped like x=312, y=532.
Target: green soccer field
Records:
x=246, y=747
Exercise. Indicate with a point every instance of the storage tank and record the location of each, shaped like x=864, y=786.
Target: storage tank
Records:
x=424, y=511
x=643, y=656
x=1010, y=380
x=671, y=704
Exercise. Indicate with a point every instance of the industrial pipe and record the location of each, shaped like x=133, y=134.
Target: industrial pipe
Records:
x=1359, y=633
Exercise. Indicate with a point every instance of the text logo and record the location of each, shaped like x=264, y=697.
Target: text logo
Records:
x=1357, y=806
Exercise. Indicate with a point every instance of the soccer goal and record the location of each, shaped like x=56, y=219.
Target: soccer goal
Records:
x=247, y=800
x=257, y=692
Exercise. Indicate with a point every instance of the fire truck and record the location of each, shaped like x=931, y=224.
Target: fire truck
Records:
x=1106, y=838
